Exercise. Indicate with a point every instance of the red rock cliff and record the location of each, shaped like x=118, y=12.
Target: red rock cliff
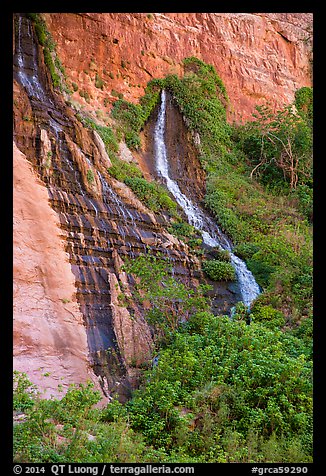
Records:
x=261, y=56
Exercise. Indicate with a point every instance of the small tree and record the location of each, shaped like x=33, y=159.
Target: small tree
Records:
x=279, y=141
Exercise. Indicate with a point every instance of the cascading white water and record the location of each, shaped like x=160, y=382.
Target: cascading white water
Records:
x=212, y=235
x=30, y=82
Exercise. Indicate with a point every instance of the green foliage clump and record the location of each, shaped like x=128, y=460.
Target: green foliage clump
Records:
x=90, y=176
x=188, y=234
x=228, y=393
x=201, y=97
x=267, y=314
x=304, y=194
x=24, y=392
x=107, y=135
x=84, y=94
x=218, y=270
x=246, y=250
x=132, y=117
x=116, y=94
x=122, y=170
x=171, y=301
x=304, y=102
x=51, y=58
x=221, y=255
x=154, y=195
x=99, y=83
x=129, y=117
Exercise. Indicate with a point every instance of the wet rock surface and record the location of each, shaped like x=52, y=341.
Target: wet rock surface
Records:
x=101, y=223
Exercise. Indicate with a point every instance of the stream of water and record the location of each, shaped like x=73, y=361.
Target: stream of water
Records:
x=212, y=235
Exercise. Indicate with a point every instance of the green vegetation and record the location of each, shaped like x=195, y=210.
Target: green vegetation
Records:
x=51, y=59
x=90, y=176
x=116, y=94
x=132, y=117
x=218, y=270
x=99, y=83
x=154, y=195
x=188, y=234
x=222, y=390
x=85, y=95
x=106, y=133
x=122, y=170
x=273, y=214
x=171, y=301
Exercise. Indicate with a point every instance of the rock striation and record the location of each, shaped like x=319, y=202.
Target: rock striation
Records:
x=74, y=224
x=259, y=56
x=101, y=222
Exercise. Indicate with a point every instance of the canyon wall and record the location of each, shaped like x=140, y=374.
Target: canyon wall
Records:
x=50, y=342
x=71, y=234
x=259, y=56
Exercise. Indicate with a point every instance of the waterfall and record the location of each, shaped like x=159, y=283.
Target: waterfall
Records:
x=30, y=81
x=212, y=235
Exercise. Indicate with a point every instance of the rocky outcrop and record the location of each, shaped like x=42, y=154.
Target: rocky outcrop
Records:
x=101, y=223
x=50, y=341
x=75, y=224
x=259, y=56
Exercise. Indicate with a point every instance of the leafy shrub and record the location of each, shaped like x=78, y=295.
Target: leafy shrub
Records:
x=305, y=196
x=121, y=170
x=132, y=117
x=261, y=270
x=246, y=250
x=99, y=83
x=219, y=270
x=116, y=94
x=107, y=135
x=90, y=176
x=24, y=392
x=153, y=194
x=267, y=315
x=221, y=255
x=50, y=64
x=181, y=229
x=304, y=101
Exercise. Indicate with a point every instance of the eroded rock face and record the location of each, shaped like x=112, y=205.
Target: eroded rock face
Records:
x=78, y=243
x=50, y=341
x=259, y=56
x=101, y=223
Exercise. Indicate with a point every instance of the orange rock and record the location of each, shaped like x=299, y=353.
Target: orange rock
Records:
x=50, y=342
x=259, y=56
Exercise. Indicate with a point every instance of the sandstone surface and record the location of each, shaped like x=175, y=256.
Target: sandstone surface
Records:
x=259, y=56
x=47, y=319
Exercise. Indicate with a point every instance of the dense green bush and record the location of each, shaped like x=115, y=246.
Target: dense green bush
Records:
x=246, y=250
x=132, y=117
x=222, y=390
x=267, y=314
x=154, y=195
x=24, y=392
x=219, y=270
x=121, y=170
x=227, y=393
x=106, y=134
